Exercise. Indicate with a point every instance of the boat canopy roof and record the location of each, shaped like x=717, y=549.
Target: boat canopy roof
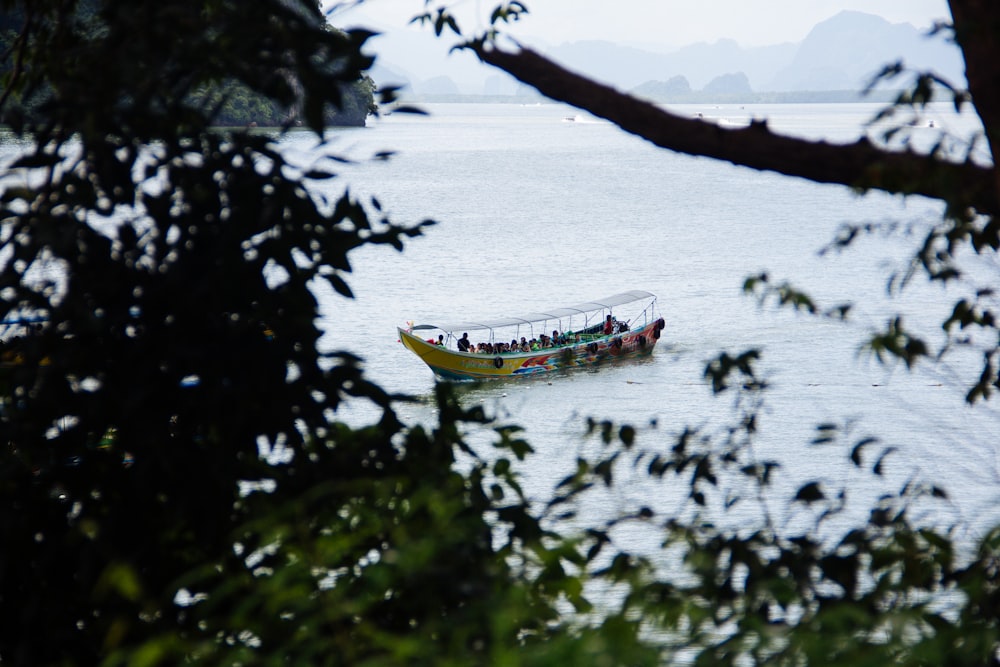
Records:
x=587, y=307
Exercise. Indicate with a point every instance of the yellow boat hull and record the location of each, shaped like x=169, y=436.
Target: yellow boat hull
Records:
x=450, y=364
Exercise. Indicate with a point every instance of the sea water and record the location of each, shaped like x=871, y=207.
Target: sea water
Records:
x=539, y=206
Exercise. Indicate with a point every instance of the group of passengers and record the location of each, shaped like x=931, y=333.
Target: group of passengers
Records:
x=544, y=341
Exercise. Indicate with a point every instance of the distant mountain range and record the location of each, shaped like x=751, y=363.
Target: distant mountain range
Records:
x=842, y=53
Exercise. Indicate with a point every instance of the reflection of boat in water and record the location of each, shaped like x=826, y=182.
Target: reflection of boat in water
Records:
x=581, y=339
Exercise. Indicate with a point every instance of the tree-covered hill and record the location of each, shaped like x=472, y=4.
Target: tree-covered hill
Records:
x=235, y=105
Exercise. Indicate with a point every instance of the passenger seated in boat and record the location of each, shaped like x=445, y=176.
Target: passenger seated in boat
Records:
x=463, y=343
x=524, y=346
x=440, y=340
x=609, y=326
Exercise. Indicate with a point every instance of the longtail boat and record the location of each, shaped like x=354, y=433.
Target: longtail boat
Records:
x=619, y=326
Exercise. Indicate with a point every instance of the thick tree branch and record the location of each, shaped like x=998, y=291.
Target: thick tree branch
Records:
x=977, y=27
x=859, y=165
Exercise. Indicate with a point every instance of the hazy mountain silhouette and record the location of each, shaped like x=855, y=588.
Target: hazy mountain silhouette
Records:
x=844, y=52
x=628, y=67
x=677, y=86
x=729, y=84
x=841, y=53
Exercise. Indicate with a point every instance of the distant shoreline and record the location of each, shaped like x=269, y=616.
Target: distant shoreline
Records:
x=789, y=97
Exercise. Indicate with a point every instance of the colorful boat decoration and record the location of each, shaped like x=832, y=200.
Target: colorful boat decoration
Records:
x=619, y=326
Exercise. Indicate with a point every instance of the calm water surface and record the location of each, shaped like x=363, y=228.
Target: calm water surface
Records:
x=534, y=210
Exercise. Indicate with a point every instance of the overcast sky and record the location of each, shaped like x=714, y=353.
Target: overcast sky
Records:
x=664, y=23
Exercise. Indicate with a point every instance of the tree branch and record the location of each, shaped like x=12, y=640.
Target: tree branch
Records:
x=977, y=27
x=859, y=165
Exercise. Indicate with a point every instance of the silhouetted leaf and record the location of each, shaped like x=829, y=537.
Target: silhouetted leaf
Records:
x=810, y=493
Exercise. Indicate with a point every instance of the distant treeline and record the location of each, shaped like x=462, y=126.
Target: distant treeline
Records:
x=233, y=105
x=778, y=97
x=692, y=97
